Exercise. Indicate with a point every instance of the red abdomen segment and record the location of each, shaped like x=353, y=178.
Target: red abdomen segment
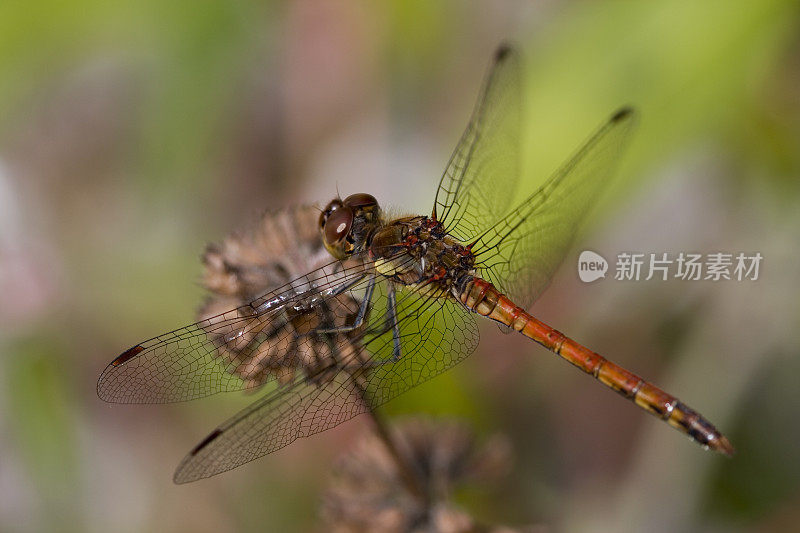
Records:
x=483, y=298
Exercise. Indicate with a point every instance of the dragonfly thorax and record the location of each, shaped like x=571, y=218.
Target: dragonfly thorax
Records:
x=418, y=251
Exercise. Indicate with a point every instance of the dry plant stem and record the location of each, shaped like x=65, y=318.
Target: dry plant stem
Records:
x=408, y=474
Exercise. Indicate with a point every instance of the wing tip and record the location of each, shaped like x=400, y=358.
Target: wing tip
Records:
x=622, y=114
x=180, y=477
x=183, y=474
x=503, y=51
x=103, y=391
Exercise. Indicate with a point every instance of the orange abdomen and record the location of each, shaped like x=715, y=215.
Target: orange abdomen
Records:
x=483, y=298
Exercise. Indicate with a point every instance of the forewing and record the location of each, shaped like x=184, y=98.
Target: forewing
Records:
x=479, y=181
x=521, y=252
x=435, y=334
x=242, y=348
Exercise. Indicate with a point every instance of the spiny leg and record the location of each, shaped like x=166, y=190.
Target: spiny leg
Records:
x=390, y=322
x=348, y=285
x=362, y=308
x=391, y=318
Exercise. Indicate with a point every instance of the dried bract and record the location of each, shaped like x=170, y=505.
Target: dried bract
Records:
x=274, y=255
x=368, y=494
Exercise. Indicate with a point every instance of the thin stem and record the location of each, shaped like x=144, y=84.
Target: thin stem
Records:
x=408, y=474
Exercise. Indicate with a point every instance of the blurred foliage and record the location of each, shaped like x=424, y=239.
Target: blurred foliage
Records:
x=752, y=487
x=132, y=133
x=44, y=414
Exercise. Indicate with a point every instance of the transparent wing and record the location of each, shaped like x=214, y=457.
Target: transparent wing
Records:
x=433, y=334
x=521, y=252
x=242, y=348
x=479, y=181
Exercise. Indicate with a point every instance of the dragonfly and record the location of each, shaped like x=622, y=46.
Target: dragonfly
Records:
x=397, y=300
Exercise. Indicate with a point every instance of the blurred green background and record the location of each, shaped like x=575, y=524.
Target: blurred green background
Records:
x=133, y=133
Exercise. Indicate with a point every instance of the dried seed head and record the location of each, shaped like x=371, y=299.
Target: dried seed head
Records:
x=367, y=492
x=285, y=245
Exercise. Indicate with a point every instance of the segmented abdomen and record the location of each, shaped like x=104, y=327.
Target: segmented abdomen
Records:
x=482, y=297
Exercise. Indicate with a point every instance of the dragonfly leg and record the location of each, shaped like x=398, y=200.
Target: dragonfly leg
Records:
x=391, y=318
x=362, y=309
x=345, y=286
x=389, y=323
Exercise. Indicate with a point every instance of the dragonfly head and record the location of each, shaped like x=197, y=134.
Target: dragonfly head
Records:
x=346, y=224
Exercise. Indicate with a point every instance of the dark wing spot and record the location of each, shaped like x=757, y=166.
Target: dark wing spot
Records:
x=206, y=441
x=621, y=114
x=127, y=355
x=502, y=52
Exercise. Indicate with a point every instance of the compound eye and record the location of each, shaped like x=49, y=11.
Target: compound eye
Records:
x=332, y=206
x=360, y=200
x=337, y=226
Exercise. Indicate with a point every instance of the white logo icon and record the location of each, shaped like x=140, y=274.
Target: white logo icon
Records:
x=591, y=266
